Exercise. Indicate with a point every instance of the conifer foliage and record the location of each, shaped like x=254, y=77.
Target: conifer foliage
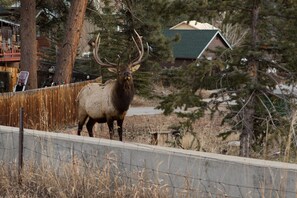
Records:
x=117, y=20
x=249, y=75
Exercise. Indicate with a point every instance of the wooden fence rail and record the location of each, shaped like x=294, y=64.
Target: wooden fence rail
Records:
x=46, y=109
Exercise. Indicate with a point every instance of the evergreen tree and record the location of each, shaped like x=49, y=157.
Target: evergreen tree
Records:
x=55, y=13
x=68, y=49
x=6, y=2
x=118, y=19
x=28, y=41
x=244, y=73
x=117, y=22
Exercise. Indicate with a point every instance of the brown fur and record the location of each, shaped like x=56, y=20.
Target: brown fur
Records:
x=111, y=101
x=106, y=103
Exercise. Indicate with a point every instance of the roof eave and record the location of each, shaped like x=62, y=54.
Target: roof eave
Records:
x=206, y=46
x=9, y=22
x=227, y=43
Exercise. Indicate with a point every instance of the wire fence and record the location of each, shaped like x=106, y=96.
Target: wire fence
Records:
x=182, y=173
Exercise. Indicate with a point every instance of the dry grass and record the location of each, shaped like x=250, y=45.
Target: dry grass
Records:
x=140, y=128
x=76, y=180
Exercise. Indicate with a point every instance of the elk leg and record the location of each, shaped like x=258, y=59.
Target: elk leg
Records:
x=80, y=125
x=120, y=129
x=91, y=122
x=110, y=127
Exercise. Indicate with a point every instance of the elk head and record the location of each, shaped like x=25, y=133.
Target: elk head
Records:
x=124, y=73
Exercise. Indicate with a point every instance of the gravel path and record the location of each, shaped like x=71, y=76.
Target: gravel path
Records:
x=143, y=111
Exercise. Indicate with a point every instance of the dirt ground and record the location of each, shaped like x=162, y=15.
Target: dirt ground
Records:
x=140, y=129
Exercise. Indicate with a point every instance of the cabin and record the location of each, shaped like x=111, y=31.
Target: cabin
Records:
x=9, y=54
x=10, y=42
x=195, y=41
x=193, y=25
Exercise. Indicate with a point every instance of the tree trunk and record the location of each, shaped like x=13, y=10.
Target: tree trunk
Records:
x=28, y=41
x=247, y=133
x=67, y=50
x=249, y=110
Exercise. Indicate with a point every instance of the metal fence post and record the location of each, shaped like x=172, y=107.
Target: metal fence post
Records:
x=21, y=143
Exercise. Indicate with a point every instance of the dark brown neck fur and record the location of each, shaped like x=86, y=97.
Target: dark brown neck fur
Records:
x=122, y=95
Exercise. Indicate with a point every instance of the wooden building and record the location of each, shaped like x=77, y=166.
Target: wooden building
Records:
x=10, y=43
x=195, y=44
x=195, y=41
x=9, y=54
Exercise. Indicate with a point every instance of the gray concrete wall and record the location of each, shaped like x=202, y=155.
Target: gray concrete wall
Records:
x=198, y=173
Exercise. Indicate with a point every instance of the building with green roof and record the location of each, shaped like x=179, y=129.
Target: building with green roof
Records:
x=195, y=44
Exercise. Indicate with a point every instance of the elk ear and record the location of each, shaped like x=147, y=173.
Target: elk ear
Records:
x=134, y=68
x=112, y=69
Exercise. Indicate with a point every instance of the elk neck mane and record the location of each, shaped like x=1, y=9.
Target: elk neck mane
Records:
x=122, y=95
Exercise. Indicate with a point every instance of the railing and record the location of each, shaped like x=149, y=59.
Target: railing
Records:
x=9, y=52
x=7, y=57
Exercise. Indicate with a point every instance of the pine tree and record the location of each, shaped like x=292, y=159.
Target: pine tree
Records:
x=244, y=73
x=28, y=41
x=117, y=22
x=261, y=111
x=68, y=49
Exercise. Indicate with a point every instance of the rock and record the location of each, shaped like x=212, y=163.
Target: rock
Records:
x=190, y=142
x=234, y=143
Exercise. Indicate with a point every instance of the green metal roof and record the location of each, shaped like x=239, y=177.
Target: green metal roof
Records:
x=192, y=43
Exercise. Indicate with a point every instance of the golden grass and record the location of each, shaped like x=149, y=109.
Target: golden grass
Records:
x=139, y=129
x=77, y=180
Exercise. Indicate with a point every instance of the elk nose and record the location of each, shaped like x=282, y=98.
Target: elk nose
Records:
x=127, y=75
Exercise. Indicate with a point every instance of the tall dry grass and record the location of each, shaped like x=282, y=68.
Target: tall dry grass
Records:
x=75, y=180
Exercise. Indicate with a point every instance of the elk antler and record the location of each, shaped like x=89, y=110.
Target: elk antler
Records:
x=97, y=57
x=110, y=64
x=140, y=51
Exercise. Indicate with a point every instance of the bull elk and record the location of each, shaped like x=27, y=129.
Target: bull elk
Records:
x=110, y=101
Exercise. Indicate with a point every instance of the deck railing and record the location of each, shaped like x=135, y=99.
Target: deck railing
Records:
x=9, y=52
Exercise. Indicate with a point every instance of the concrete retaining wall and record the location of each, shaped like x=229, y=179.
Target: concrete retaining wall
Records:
x=197, y=173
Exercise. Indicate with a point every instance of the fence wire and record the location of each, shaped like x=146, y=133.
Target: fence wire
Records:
x=58, y=153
